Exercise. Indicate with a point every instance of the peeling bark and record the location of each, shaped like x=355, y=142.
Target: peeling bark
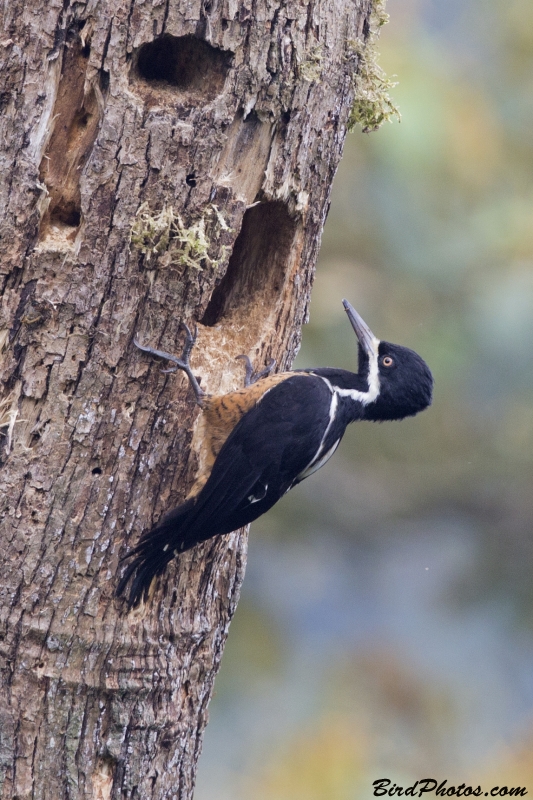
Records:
x=233, y=115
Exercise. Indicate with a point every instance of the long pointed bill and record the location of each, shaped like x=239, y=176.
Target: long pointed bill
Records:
x=366, y=338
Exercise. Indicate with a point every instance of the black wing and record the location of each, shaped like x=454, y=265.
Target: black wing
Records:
x=264, y=456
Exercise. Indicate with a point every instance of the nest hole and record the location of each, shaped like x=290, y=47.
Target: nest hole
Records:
x=65, y=213
x=184, y=64
x=257, y=265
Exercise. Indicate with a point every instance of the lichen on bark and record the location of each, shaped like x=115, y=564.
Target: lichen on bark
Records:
x=372, y=105
x=164, y=236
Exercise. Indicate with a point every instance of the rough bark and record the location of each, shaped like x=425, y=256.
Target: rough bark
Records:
x=177, y=115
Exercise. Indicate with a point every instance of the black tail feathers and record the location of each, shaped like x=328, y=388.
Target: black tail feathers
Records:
x=156, y=548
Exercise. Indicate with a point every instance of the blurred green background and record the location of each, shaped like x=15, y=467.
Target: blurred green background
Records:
x=385, y=627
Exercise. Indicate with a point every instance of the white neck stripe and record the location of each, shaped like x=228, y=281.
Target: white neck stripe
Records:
x=362, y=397
x=373, y=381
x=373, y=373
x=332, y=410
x=316, y=462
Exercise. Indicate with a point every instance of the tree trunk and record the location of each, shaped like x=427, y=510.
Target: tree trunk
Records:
x=161, y=162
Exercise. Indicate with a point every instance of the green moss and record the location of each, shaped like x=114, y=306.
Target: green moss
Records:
x=165, y=238
x=372, y=103
x=310, y=68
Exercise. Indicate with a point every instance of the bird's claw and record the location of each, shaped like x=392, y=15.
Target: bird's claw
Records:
x=250, y=376
x=180, y=363
x=183, y=361
x=190, y=341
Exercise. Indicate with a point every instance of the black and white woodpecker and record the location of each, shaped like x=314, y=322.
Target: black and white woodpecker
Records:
x=260, y=441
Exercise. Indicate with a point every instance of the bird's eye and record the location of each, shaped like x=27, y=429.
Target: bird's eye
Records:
x=387, y=361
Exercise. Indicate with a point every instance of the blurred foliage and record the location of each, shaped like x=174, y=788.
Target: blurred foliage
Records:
x=430, y=236
x=257, y=653
x=317, y=764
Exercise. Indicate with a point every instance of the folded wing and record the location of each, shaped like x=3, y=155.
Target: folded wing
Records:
x=268, y=452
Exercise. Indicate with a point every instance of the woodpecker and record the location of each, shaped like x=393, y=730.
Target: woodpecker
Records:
x=263, y=439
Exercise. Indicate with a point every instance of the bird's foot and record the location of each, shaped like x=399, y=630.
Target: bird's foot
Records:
x=181, y=362
x=251, y=376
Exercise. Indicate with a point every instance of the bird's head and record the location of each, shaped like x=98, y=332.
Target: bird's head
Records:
x=399, y=382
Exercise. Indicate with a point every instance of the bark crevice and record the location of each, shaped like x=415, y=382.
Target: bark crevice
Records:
x=75, y=120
